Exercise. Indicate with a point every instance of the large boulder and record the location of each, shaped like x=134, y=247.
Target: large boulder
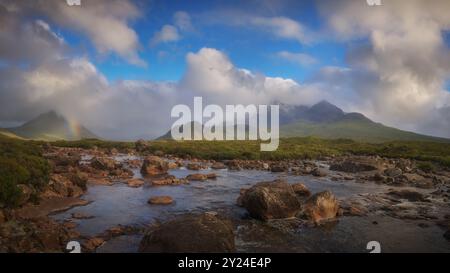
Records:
x=103, y=163
x=321, y=206
x=203, y=233
x=271, y=200
x=154, y=165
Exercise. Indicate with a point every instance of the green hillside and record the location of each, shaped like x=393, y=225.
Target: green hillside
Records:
x=360, y=130
x=49, y=126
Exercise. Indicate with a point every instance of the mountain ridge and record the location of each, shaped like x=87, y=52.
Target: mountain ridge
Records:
x=49, y=126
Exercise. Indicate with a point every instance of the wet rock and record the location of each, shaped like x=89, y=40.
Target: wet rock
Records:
x=197, y=177
x=393, y=172
x=234, y=165
x=204, y=233
x=319, y=172
x=103, y=163
x=168, y=180
x=160, y=200
x=172, y=165
x=278, y=168
x=92, y=244
x=135, y=183
x=80, y=215
x=194, y=166
x=241, y=195
x=409, y=195
x=271, y=200
x=355, y=166
x=321, y=206
x=218, y=166
x=301, y=190
x=154, y=165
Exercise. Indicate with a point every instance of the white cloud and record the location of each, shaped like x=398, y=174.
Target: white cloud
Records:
x=400, y=73
x=105, y=22
x=298, y=58
x=168, y=33
x=182, y=20
x=282, y=27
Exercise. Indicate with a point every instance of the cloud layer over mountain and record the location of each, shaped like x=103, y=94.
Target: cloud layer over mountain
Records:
x=397, y=76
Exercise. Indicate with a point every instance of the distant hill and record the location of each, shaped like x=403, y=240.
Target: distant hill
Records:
x=325, y=120
x=49, y=126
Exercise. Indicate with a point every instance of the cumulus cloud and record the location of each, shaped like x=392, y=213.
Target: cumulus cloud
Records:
x=297, y=58
x=211, y=74
x=399, y=74
x=105, y=22
x=168, y=33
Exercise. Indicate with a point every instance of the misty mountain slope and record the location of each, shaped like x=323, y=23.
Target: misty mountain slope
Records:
x=328, y=121
x=325, y=120
x=50, y=126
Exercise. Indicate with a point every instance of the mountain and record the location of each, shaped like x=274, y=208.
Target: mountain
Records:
x=49, y=126
x=326, y=120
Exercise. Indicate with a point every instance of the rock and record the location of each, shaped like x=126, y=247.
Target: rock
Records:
x=201, y=176
x=203, y=233
x=241, y=195
x=319, y=172
x=355, y=166
x=417, y=180
x=409, y=195
x=154, y=165
x=92, y=244
x=197, y=177
x=172, y=165
x=160, y=200
x=103, y=163
x=301, y=190
x=278, y=168
x=393, y=172
x=218, y=166
x=271, y=200
x=135, y=183
x=193, y=167
x=211, y=175
x=26, y=192
x=168, y=180
x=321, y=206
x=80, y=215
x=234, y=165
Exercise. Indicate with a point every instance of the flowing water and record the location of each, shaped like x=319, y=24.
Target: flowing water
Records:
x=122, y=205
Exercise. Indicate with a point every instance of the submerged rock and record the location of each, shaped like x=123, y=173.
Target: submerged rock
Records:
x=321, y=206
x=218, y=166
x=154, y=165
x=203, y=233
x=135, y=183
x=271, y=200
x=160, y=200
x=409, y=195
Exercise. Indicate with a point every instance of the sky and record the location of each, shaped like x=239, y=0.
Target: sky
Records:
x=119, y=66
